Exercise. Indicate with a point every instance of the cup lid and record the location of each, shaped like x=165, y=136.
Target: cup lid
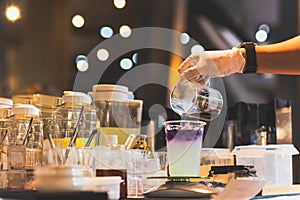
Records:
x=26, y=109
x=76, y=97
x=6, y=103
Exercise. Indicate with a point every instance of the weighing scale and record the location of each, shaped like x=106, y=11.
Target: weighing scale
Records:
x=191, y=187
x=184, y=187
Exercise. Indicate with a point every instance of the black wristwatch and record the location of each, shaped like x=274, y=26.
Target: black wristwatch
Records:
x=251, y=64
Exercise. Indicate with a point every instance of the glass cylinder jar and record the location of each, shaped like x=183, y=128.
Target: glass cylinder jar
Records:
x=75, y=105
x=116, y=113
x=25, y=138
x=5, y=112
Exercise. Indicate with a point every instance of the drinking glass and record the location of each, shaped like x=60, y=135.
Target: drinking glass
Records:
x=135, y=171
x=184, y=142
x=196, y=101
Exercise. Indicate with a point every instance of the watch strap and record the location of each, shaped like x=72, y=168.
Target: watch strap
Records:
x=251, y=63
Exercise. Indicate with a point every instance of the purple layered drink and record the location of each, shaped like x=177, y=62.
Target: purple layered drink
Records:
x=184, y=142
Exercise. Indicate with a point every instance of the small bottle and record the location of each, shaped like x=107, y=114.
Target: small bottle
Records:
x=141, y=143
x=25, y=138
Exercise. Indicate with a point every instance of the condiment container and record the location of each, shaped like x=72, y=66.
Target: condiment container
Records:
x=109, y=184
x=272, y=162
x=214, y=157
x=59, y=178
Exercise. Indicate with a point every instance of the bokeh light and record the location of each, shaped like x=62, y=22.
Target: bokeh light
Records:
x=261, y=36
x=102, y=54
x=82, y=65
x=106, y=32
x=119, y=3
x=81, y=57
x=13, y=13
x=184, y=38
x=78, y=21
x=125, y=31
x=135, y=57
x=197, y=48
x=264, y=27
x=126, y=64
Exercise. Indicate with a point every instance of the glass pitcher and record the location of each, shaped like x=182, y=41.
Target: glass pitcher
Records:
x=198, y=101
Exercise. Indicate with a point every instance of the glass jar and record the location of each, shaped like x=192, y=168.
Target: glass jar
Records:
x=116, y=113
x=25, y=138
x=5, y=113
x=66, y=118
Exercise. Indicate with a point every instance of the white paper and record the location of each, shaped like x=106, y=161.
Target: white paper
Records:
x=241, y=189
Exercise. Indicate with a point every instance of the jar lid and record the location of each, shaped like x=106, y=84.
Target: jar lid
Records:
x=76, y=97
x=109, y=88
x=6, y=103
x=23, y=99
x=42, y=100
x=110, y=92
x=26, y=109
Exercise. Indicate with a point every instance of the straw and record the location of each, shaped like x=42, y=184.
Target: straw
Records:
x=28, y=131
x=51, y=141
x=94, y=132
x=2, y=140
x=75, y=133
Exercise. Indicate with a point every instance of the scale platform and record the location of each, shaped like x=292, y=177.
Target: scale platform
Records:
x=184, y=187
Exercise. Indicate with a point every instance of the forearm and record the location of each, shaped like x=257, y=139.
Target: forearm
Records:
x=279, y=58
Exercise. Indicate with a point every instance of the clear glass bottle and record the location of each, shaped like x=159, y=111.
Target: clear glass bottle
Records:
x=25, y=138
x=66, y=118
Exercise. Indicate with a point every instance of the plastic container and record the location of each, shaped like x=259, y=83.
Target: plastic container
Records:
x=59, y=179
x=116, y=114
x=214, y=157
x=272, y=162
x=66, y=117
x=25, y=153
x=109, y=184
